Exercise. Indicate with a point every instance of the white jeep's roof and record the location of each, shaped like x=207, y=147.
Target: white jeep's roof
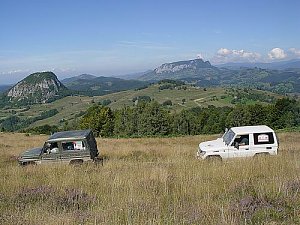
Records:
x=251, y=129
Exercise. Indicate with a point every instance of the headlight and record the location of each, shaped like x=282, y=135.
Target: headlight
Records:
x=200, y=153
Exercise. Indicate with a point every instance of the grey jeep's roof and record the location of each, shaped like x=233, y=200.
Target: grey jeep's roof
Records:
x=74, y=134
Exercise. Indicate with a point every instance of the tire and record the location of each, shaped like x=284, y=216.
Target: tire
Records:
x=261, y=155
x=76, y=162
x=30, y=163
x=98, y=161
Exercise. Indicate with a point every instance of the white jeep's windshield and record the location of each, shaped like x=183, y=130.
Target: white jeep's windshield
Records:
x=228, y=136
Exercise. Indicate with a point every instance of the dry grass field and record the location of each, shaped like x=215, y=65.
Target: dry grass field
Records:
x=151, y=181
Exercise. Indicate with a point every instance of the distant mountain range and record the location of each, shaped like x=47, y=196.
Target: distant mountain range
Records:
x=79, y=77
x=132, y=76
x=44, y=87
x=282, y=65
x=91, y=85
x=203, y=74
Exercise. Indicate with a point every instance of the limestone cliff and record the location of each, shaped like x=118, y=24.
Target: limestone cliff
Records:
x=38, y=87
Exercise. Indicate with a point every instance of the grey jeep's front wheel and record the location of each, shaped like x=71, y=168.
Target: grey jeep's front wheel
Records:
x=76, y=162
x=32, y=163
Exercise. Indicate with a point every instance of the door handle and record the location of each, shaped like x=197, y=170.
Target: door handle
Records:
x=269, y=147
x=247, y=149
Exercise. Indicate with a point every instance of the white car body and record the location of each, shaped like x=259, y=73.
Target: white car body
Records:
x=239, y=142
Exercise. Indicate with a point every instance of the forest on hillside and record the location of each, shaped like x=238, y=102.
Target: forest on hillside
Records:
x=153, y=119
x=150, y=118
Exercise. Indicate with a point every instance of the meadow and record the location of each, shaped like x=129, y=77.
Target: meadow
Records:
x=151, y=181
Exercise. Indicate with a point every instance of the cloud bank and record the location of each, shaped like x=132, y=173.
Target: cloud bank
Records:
x=225, y=55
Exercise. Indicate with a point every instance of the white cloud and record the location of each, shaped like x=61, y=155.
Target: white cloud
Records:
x=200, y=56
x=295, y=52
x=277, y=53
x=225, y=55
x=224, y=52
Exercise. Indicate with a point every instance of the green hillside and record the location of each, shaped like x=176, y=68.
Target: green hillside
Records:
x=174, y=96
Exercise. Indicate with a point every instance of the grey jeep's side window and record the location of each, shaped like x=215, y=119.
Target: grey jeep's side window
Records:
x=73, y=145
x=263, y=138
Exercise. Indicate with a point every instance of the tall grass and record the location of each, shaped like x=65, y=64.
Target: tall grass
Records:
x=151, y=181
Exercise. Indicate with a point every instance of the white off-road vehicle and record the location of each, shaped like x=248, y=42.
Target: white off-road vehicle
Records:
x=238, y=142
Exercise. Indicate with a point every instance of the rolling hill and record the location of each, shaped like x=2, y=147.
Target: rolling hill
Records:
x=91, y=85
x=69, y=109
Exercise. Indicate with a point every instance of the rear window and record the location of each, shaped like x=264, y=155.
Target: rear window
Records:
x=263, y=138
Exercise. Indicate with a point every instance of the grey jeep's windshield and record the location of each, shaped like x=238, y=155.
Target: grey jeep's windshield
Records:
x=228, y=136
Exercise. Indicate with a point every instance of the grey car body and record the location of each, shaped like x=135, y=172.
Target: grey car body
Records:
x=76, y=146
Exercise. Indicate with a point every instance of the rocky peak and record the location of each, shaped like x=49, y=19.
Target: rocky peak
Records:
x=36, y=88
x=181, y=65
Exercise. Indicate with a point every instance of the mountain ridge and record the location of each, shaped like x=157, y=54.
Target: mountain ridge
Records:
x=180, y=69
x=203, y=74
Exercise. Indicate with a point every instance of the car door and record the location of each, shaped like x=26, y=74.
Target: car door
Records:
x=241, y=146
x=74, y=149
x=51, y=153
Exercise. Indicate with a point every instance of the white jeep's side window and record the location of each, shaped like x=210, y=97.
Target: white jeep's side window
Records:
x=263, y=138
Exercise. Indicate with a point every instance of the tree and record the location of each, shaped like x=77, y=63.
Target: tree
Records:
x=239, y=116
x=125, y=122
x=153, y=120
x=100, y=119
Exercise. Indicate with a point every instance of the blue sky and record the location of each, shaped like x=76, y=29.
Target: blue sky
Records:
x=119, y=37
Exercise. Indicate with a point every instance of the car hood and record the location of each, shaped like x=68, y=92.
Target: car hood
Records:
x=31, y=152
x=215, y=145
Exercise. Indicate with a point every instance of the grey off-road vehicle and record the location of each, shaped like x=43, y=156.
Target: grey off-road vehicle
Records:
x=73, y=147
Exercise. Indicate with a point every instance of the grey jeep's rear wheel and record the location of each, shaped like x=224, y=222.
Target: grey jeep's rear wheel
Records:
x=99, y=161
